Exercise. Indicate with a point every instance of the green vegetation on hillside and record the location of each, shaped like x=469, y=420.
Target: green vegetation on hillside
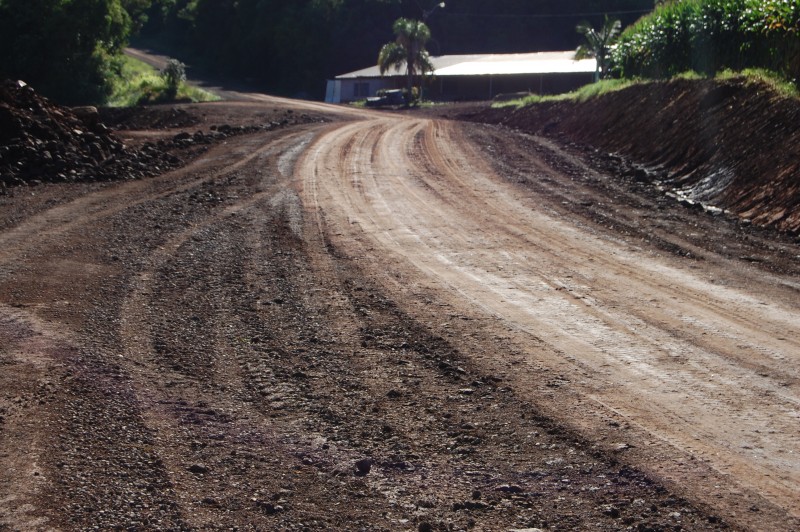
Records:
x=763, y=78
x=754, y=40
x=138, y=83
x=63, y=48
x=708, y=36
x=579, y=95
x=759, y=77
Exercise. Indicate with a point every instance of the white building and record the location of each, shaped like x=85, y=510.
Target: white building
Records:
x=474, y=77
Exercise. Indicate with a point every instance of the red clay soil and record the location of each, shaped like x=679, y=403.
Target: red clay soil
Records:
x=181, y=353
x=233, y=344
x=733, y=145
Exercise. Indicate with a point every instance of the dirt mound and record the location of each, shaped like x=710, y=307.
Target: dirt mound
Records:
x=148, y=118
x=732, y=145
x=42, y=142
x=211, y=117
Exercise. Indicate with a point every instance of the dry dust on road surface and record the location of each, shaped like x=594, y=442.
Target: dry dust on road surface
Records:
x=355, y=320
x=697, y=361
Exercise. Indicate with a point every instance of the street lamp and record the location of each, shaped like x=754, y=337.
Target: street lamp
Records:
x=429, y=12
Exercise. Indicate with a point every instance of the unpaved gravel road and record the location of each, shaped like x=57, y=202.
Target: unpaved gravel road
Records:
x=390, y=322
x=699, y=358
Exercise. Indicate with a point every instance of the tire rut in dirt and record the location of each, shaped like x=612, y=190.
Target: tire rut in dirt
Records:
x=455, y=445
x=512, y=255
x=109, y=471
x=185, y=336
x=277, y=380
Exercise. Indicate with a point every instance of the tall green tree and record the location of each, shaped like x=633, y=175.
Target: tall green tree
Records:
x=407, y=50
x=598, y=44
x=138, y=12
x=63, y=48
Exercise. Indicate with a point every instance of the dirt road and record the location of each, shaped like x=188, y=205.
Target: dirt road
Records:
x=391, y=322
x=699, y=358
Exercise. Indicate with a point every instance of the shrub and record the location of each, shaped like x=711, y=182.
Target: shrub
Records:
x=707, y=36
x=173, y=74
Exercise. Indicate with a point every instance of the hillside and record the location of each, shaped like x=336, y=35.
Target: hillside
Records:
x=732, y=145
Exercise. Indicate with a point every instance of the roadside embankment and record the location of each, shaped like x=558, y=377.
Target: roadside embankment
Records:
x=732, y=145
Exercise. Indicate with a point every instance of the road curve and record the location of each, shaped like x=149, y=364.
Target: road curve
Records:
x=699, y=360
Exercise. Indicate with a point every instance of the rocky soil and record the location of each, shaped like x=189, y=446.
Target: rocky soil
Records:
x=41, y=142
x=188, y=351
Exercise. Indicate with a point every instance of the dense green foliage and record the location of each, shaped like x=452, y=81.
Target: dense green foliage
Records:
x=64, y=48
x=710, y=35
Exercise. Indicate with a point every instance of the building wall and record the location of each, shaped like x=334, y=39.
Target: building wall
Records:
x=333, y=92
x=354, y=89
x=487, y=87
x=457, y=88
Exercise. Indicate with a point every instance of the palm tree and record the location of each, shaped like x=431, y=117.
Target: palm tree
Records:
x=598, y=44
x=408, y=49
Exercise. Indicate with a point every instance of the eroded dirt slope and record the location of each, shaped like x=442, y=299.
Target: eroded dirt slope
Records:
x=732, y=144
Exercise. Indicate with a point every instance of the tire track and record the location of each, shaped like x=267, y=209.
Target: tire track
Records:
x=707, y=369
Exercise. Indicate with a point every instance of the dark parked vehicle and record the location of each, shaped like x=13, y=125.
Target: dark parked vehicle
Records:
x=392, y=97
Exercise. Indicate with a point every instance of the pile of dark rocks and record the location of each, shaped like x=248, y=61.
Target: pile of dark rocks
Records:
x=41, y=142
x=147, y=117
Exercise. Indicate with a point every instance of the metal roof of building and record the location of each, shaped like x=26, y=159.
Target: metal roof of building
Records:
x=494, y=65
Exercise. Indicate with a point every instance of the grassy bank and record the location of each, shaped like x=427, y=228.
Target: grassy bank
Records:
x=137, y=83
x=760, y=76
x=580, y=95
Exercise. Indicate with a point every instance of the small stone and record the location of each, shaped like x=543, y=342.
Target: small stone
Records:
x=363, y=467
x=469, y=505
x=269, y=508
x=198, y=469
x=509, y=488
